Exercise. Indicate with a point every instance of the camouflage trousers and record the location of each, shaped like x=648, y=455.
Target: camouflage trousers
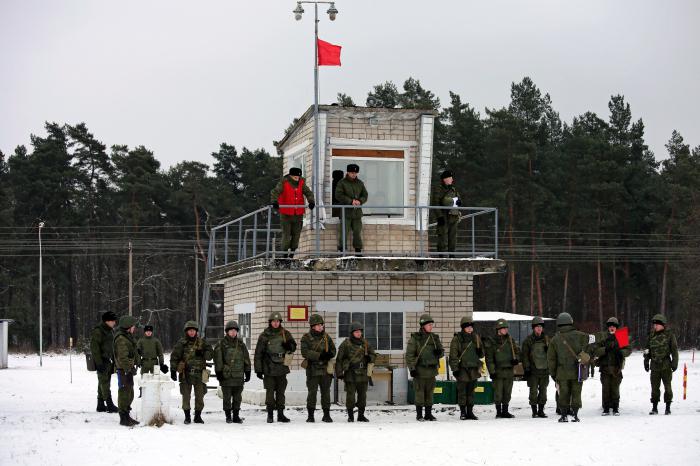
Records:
x=291, y=230
x=104, y=381
x=313, y=384
x=147, y=365
x=665, y=376
x=502, y=389
x=232, y=397
x=354, y=225
x=570, y=394
x=424, y=388
x=125, y=395
x=200, y=389
x=538, y=388
x=447, y=234
x=356, y=388
x=465, y=393
x=275, y=385
x=610, y=379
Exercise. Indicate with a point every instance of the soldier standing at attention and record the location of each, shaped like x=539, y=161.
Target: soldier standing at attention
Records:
x=423, y=355
x=291, y=191
x=351, y=191
x=232, y=368
x=611, y=360
x=151, y=351
x=102, y=350
x=188, y=361
x=274, y=343
x=446, y=195
x=466, y=350
x=661, y=357
x=565, y=352
x=534, y=357
x=318, y=349
x=126, y=358
x=354, y=354
x=502, y=355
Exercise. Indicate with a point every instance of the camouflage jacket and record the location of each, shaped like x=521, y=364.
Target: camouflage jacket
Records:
x=349, y=190
x=125, y=355
x=189, y=358
x=101, y=344
x=312, y=344
x=423, y=353
x=663, y=350
x=466, y=350
x=608, y=354
x=232, y=361
x=270, y=351
x=563, y=351
x=534, y=354
x=501, y=350
x=353, y=356
x=443, y=195
x=151, y=351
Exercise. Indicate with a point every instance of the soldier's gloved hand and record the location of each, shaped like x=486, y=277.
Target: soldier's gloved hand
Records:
x=674, y=369
x=456, y=373
x=199, y=352
x=276, y=205
x=312, y=204
x=514, y=361
x=340, y=376
x=324, y=356
x=173, y=375
x=437, y=352
x=247, y=376
x=527, y=373
x=288, y=345
x=164, y=368
x=219, y=375
x=100, y=367
x=441, y=221
x=259, y=375
x=414, y=373
x=646, y=364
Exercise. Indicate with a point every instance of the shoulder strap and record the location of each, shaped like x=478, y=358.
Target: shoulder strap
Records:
x=512, y=348
x=424, y=345
x=569, y=347
x=465, y=349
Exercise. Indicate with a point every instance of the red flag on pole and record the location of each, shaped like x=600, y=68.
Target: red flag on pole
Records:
x=623, y=337
x=328, y=54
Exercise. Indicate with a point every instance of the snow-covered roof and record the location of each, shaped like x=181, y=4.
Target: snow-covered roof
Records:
x=488, y=316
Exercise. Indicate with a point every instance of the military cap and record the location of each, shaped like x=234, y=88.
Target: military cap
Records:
x=659, y=319
x=613, y=321
x=148, y=328
x=446, y=174
x=467, y=320
x=191, y=324
x=275, y=315
x=356, y=326
x=565, y=319
x=231, y=324
x=501, y=323
x=127, y=322
x=425, y=319
x=537, y=321
x=315, y=319
x=294, y=171
x=109, y=316
x=353, y=168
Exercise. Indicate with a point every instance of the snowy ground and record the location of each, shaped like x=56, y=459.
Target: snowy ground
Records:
x=46, y=420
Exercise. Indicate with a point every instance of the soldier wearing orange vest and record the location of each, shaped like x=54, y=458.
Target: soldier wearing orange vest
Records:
x=290, y=191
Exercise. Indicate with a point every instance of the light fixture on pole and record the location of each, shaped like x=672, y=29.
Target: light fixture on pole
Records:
x=41, y=287
x=332, y=12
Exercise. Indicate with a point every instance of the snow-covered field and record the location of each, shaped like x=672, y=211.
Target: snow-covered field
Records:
x=46, y=420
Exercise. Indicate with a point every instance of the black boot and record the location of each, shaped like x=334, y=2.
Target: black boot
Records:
x=236, y=419
x=122, y=419
x=429, y=414
x=470, y=413
x=563, y=417
x=327, y=416
x=351, y=415
x=270, y=418
x=668, y=408
x=606, y=411
x=419, y=413
x=358, y=253
x=131, y=422
x=558, y=410
x=498, y=410
x=616, y=408
x=361, y=415
x=534, y=410
x=463, y=412
x=101, y=408
x=198, y=417
x=110, y=406
x=540, y=411
x=187, y=416
x=575, y=415
x=228, y=416
x=281, y=417
x=654, y=408
x=310, y=417
x=504, y=412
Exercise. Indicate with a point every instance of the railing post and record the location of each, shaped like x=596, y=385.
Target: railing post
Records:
x=226, y=245
x=420, y=230
x=495, y=211
x=473, y=237
x=241, y=252
x=269, y=225
x=255, y=234
x=343, y=228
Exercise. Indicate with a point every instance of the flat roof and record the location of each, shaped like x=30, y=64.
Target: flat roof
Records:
x=488, y=316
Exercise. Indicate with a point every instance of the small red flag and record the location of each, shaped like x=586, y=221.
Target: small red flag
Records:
x=328, y=54
x=623, y=337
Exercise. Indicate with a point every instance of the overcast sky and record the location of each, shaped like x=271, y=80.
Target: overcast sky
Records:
x=182, y=77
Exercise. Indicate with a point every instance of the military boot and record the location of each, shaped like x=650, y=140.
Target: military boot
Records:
x=463, y=412
x=198, y=417
x=310, y=417
x=540, y=411
x=101, y=408
x=110, y=406
x=122, y=419
x=470, y=413
x=654, y=408
x=429, y=414
x=228, y=416
x=270, y=419
x=187, y=416
x=236, y=418
x=563, y=417
x=534, y=410
x=498, y=410
x=351, y=415
x=606, y=411
x=575, y=415
x=504, y=412
x=327, y=416
x=358, y=253
x=281, y=417
x=668, y=408
x=616, y=408
x=130, y=422
x=361, y=415
x=419, y=413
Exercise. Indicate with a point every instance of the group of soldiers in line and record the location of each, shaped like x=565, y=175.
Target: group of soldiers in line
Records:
x=350, y=190
x=563, y=357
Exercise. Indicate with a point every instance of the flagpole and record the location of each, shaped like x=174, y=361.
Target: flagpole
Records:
x=316, y=155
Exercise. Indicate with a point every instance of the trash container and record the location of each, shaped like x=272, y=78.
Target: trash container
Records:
x=483, y=392
x=445, y=392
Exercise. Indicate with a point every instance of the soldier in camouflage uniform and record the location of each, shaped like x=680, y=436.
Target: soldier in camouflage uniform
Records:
x=566, y=350
x=188, y=360
x=351, y=191
x=101, y=348
x=423, y=355
x=151, y=351
x=445, y=195
x=272, y=346
x=232, y=368
x=502, y=354
x=466, y=351
x=126, y=358
x=291, y=190
x=610, y=358
x=318, y=349
x=661, y=357
x=354, y=355
x=534, y=357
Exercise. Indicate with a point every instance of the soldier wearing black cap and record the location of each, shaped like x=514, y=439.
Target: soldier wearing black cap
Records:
x=151, y=351
x=351, y=191
x=102, y=350
x=290, y=191
x=446, y=195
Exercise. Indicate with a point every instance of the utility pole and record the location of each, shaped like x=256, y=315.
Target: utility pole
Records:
x=41, y=300
x=196, y=283
x=130, y=278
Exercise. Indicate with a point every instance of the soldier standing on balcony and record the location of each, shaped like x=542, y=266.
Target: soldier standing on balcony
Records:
x=351, y=191
x=446, y=195
x=290, y=191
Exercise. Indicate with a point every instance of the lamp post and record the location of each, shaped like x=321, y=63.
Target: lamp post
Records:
x=41, y=288
x=332, y=12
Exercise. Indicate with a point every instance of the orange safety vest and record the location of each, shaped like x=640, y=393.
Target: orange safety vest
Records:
x=291, y=196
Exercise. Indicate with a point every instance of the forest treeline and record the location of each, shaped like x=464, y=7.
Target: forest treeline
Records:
x=591, y=221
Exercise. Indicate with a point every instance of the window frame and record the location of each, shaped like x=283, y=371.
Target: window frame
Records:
x=341, y=338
